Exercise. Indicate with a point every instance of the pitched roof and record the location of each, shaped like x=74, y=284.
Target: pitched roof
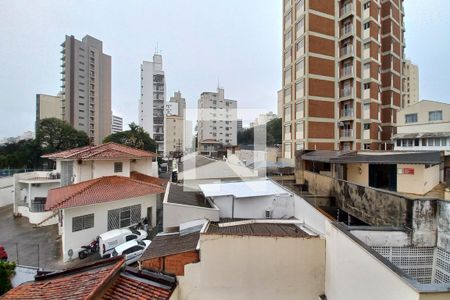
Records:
x=99, y=190
x=139, y=285
x=104, y=279
x=78, y=283
x=256, y=229
x=170, y=244
x=149, y=179
x=103, y=151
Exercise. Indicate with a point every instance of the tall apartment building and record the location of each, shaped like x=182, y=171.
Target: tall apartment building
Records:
x=341, y=73
x=48, y=106
x=175, y=139
x=152, y=101
x=410, y=83
x=117, y=124
x=86, y=86
x=217, y=119
x=263, y=119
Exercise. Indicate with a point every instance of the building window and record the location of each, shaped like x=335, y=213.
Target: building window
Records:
x=82, y=222
x=367, y=25
x=416, y=142
x=424, y=142
x=435, y=115
x=366, y=5
x=399, y=143
x=444, y=142
x=366, y=126
x=124, y=217
x=118, y=167
x=366, y=86
x=411, y=118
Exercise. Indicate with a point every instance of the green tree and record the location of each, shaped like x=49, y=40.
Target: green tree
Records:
x=56, y=135
x=6, y=273
x=135, y=137
x=273, y=134
x=22, y=154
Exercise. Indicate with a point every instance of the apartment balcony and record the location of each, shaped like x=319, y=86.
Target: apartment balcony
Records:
x=346, y=11
x=346, y=73
x=346, y=52
x=347, y=113
x=346, y=93
x=346, y=134
x=347, y=31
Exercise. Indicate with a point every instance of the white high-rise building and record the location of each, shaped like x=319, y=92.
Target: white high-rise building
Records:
x=152, y=101
x=117, y=124
x=217, y=120
x=86, y=87
x=410, y=90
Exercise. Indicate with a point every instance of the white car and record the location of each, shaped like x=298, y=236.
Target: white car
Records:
x=132, y=250
x=109, y=240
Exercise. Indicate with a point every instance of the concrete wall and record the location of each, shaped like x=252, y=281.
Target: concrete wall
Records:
x=145, y=166
x=353, y=273
x=358, y=174
x=74, y=240
x=443, y=237
x=371, y=205
x=255, y=207
x=320, y=185
x=421, y=182
x=6, y=191
x=383, y=238
x=424, y=223
x=247, y=267
x=174, y=214
x=106, y=168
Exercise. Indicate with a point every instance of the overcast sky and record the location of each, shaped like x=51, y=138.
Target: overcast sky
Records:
x=203, y=42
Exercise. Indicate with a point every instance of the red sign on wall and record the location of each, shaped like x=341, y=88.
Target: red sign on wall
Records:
x=408, y=171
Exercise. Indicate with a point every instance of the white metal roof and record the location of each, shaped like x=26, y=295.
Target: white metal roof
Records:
x=243, y=189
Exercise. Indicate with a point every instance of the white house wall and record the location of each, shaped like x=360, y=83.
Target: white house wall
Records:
x=74, y=240
x=247, y=267
x=353, y=273
x=106, y=168
x=6, y=191
x=422, y=181
x=175, y=214
x=145, y=166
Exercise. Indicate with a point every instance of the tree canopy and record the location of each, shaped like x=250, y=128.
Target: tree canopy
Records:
x=135, y=137
x=273, y=134
x=56, y=135
x=6, y=273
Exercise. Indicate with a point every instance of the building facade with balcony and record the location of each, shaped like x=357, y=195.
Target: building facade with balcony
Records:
x=217, y=121
x=86, y=87
x=341, y=74
x=410, y=84
x=153, y=99
x=117, y=124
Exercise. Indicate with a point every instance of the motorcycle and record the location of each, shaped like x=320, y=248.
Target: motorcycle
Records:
x=88, y=250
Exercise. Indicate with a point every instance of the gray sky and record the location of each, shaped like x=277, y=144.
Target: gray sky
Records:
x=202, y=41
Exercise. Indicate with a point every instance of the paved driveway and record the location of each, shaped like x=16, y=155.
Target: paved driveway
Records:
x=29, y=246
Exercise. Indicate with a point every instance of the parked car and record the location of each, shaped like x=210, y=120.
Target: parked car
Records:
x=3, y=254
x=131, y=250
x=109, y=240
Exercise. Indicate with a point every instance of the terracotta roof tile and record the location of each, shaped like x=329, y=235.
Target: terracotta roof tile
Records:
x=128, y=287
x=149, y=179
x=170, y=244
x=99, y=190
x=103, y=151
x=79, y=283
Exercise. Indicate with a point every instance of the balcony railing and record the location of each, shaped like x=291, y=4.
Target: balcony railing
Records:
x=347, y=112
x=347, y=50
x=346, y=9
x=37, y=207
x=346, y=91
x=347, y=29
x=346, y=132
x=347, y=71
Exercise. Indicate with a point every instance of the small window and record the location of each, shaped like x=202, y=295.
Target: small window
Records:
x=437, y=142
x=435, y=115
x=367, y=25
x=416, y=142
x=366, y=5
x=366, y=86
x=118, y=167
x=411, y=118
x=366, y=126
x=82, y=222
x=399, y=143
x=444, y=142
x=424, y=142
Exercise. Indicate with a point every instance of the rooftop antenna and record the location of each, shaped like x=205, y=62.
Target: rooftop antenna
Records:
x=157, y=50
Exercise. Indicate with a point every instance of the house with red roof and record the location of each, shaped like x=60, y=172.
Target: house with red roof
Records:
x=104, y=279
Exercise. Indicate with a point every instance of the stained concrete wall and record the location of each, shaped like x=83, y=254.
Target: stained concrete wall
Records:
x=424, y=223
x=371, y=205
x=443, y=239
x=358, y=173
x=318, y=184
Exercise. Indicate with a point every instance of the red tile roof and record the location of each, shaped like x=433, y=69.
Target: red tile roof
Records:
x=104, y=279
x=103, y=151
x=149, y=179
x=79, y=283
x=129, y=287
x=99, y=190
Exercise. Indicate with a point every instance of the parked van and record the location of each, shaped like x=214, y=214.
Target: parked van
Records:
x=109, y=240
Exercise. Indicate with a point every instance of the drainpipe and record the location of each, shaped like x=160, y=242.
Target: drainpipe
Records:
x=232, y=207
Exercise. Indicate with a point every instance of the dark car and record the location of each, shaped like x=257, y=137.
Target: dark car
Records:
x=3, y=254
